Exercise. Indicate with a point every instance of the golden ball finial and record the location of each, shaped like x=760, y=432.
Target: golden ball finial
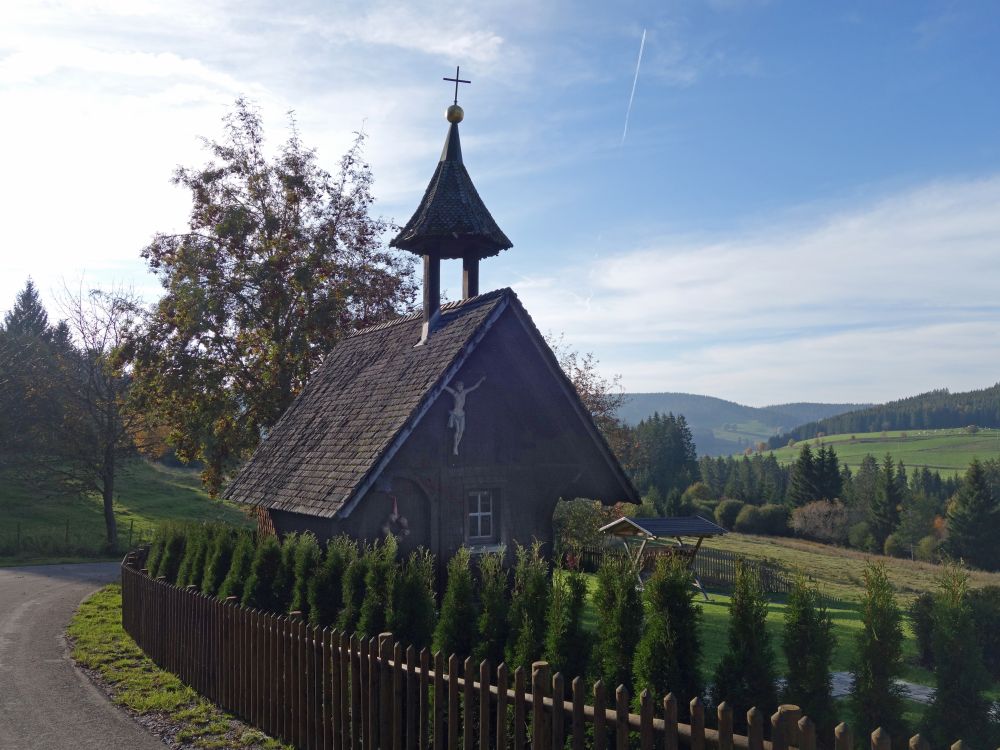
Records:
x=455, y=113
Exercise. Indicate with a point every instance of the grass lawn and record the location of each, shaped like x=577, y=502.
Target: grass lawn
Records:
x=949, y=451
x=100, y=644
x=55, y=526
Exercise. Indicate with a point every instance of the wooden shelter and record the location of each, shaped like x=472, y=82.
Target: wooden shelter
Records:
x=645, y=539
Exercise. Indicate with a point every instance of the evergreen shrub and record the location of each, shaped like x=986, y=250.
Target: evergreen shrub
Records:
x=239, y=569
x=354, y=590
x=218, y=559
x=326, y=588
x=454, y=633
x=565, y=637
x=262, y=586
x=284, y=576
x=668, y=656
x=173, y=553
x=306, y=559
x=922, y=617
x=195, y=548
x=378, y=587
x=809, y=643
x=619, y=621
x=528, y=607
x=494, y=595
x=985, y=605
x=412, y=614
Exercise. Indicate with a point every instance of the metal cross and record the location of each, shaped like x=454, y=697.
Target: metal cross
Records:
x=457, y=81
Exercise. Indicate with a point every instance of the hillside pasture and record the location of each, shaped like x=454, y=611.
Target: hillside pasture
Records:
x=948, y=451
x=43, y=522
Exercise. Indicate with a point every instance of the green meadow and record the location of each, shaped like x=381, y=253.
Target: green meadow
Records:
x=948, y=451
x=44, y=523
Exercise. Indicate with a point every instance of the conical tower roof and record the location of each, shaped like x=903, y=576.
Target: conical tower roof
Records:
x=452, y=221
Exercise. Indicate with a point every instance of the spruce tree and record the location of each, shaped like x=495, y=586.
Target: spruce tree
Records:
x=619, y=620
x=802, y=479
x=27, y=317
x=454, y=633
x=239, y=568
x=306, y=559
x=745, y=677
x=218, y=560
x=809, y=642
x=884, y=510
x=876, y=700
x=326, y=589
x=528, y=606
x=494, y=587
x=668, y=656
x=354, y=590
x=262, y=586
x=378, y=587
x=960, y=709
x=412, y=614
x=974, y=521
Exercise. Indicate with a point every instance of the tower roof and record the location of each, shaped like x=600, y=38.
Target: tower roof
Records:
x=452, y=221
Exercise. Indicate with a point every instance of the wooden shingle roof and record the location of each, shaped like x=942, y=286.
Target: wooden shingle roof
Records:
x=368, y=392
x=452, y=220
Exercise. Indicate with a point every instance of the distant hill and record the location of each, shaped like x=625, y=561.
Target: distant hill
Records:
x=928, y=411
x=723, y=427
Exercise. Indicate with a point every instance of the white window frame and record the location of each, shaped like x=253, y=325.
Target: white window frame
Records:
x=474, y=510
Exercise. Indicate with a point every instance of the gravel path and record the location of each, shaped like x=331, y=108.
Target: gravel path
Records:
x=45, y=701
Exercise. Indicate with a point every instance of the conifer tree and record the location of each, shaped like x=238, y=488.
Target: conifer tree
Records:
x=619, y=620
x=974, y=521
x=304, y=563
x=668, y=656
x=565, y=637
x=494, y=608
x=802, y=480
x=239, y=569
x=378, y=587
x=412, y=614
x=809, y=642
x=156, y=548
x=284, y=576
x=745, y=677
x=173, y=554
x=884, y=510
x=454, y=633
x=218, y=560
x=193, y=563
x=528, y=606
x=262, y=586
x=876, y=699
x=326, y=589
x=354, y=590
x=960, y=709
x=27, y=317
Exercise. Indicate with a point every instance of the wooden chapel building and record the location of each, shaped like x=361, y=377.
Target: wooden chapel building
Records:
x=454, y=426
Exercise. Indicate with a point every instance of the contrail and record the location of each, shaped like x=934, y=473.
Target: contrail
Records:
x=635, y=80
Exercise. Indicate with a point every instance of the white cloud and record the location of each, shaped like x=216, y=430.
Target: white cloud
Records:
x=868, y=304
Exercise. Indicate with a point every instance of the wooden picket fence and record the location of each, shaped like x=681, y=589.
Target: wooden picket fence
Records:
x=318, y=689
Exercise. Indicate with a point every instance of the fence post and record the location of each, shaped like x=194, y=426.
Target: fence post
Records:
x=413, y=702
x=670, y=722
x=807, y=734
x=790, y=715
x=468, y=691
x=540, y=680
x=646, y=720
x=755, y=729
x=484, y=703
x=423, y=733
x=502, y=680
x=842, y=738
x=385, y=710
x=697, y=724
x=881, y=740
x=453, y=701
x=600, y=717
x=725, y=714
x=919, y=743
x=621, y=718
x=579, y=728
x=439, y=701
x=520, y=708
x=398, y=675
x=779, y=735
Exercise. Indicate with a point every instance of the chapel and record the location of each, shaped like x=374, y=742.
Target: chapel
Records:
x=448, y=427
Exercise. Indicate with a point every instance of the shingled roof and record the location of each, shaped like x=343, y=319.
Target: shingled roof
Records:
x=363, y=402
x=452, y=219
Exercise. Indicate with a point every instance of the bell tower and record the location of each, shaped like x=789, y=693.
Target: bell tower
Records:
x=451, y=222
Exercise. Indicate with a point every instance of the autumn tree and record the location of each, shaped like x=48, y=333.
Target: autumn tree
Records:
x=280, y=260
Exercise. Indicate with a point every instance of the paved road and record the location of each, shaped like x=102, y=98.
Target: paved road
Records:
x=45, y=702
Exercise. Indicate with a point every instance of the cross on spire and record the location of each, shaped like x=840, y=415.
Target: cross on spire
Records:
x=457, y=81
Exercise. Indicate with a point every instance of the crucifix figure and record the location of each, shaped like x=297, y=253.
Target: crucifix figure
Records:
x=456, y=417
x=457, y=81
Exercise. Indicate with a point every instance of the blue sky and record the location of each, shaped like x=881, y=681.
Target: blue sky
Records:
x=806, y=206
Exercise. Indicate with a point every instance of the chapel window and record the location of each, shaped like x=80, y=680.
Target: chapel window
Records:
x=482, y=518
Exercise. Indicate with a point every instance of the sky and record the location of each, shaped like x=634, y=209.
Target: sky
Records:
x=805, y=207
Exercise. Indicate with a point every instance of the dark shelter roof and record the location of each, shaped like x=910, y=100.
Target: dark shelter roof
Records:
x=452, y=220
x=361, y=405
x=663, y=527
